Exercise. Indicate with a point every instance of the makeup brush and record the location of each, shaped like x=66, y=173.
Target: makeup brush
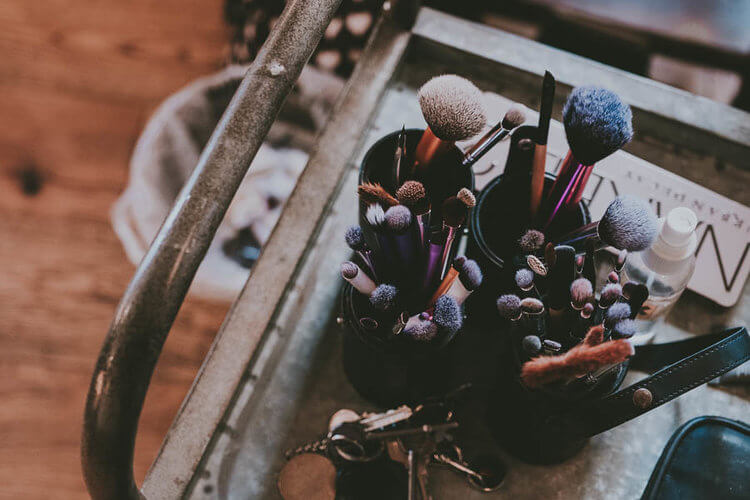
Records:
x=469, y=279
x=356, y=241
x=531, y=241
x=532, y=315
x=434, y=263
x=540, y=148
x=597, y=123
x=558, y=287
x=580, y=262
x=452, y=107
x=616, y=313
x=551, y=347
x=624, y=329
x=399, y=157
x=549, y=254
x=375, y=217
x=421, y=330
x=359, y=280
x=513, y=118
x=466, y=197
x=628, y=223
x=587, y=310
x=636, y=294
x=622, y=256
x=611, y=293
x=398, y=219
x=454, y=215
x=383, y=298
x=582, y=323
x=375, y=193
x=509, y=307
x=581, y=293
x=578, y=361
x=525, y=281
x=448, y=280
x=532, y=345
x=536, y=265
x=613, y=277
x=447, y=314
x=413, y=195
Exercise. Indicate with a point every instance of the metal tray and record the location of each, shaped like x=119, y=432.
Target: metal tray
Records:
x=273, y=376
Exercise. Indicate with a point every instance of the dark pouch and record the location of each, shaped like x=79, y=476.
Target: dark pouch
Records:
x=546, y=427
x=707, y=457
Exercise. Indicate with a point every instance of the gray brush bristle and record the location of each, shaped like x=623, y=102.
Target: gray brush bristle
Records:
x=581, y=292
x=354, y=238
x=597, y=123
x=525, y=279
x=452, y=107
x=509, y=306
x=610, y=294
x=513, y=118
x=624, y=329
x=398, y=218
x=422, y=330
x=375, y=215
x=628, y=224
x=531, y=344
x=383, y=297
x=617, y=312
x=447, y=314
x=470, y=275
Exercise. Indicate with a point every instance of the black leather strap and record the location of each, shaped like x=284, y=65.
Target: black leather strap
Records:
x=682, y=366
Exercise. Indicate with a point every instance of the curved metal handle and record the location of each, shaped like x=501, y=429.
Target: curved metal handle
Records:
x=150, y=303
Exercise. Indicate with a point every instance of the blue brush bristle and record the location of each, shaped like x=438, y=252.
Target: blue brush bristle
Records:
x=354, y=237
x=624, y=329
x=597, y=123
x=509, y=306
x=447, y=314
x=629, y=224
x=617, y=312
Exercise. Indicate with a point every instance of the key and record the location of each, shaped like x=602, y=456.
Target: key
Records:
x=375, y=421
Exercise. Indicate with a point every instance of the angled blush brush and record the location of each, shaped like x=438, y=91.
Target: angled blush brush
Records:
x=540, y=149
x=375, y=193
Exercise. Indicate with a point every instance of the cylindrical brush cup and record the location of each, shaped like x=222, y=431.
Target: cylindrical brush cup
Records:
x=390, y=370
x=518, y=416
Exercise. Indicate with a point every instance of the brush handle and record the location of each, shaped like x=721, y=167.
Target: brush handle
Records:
x=433, y=267
x=581, y=238
x=566, y=192
x=449, y=238
x=429, y=147
x=450, y=277
x=495, y=135
x=536, y=188
x=423, y=226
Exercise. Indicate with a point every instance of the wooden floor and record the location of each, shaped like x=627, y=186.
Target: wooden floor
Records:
x=78, y=80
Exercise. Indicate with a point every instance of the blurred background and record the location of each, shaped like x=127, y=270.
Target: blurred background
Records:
x=93, y=153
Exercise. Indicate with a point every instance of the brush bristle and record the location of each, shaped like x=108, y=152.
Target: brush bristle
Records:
x=422, y=330
x=452, y=107
x=509, y=306
x=613, y=277
x=349, y=269
x=398, y=219
x=594, y=336
x=375, y=193
x=513, y=118
x=354, y=238
x=588, y=310
x=581, y=292
x=531, y=305
x=531, y=241
x=624, y=329
x=411, y=193
x=375, y=215
x=617, y=312
x=470, y=275
x=466, y=197
x=576, y=362
x=531, y=344
x=536, y=265
x=383, y=297
x=597, y=123
x=454, y=212
x=447, y=314
x=629, y=224
x=610, y=293
x=459, y=262
x=525, y=279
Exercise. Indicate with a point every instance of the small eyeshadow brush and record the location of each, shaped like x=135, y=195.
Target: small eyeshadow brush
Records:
x=512, y=119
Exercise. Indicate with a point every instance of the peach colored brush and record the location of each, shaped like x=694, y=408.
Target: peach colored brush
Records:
x=595, y=336
x=576, y=362
x=375, y=193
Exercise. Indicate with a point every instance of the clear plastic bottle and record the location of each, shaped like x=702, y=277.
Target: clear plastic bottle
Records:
x=665, y=268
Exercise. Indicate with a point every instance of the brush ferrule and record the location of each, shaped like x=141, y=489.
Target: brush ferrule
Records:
x=566, y=192
x=450, y=277
x=458, y=291
x=362, y=283
x=423, y=224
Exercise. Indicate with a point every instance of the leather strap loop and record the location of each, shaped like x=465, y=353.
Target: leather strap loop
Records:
x=682, y=366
